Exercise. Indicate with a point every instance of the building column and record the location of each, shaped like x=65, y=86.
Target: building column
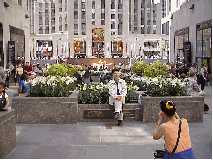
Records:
x=35, y=46
x=124, y=47
x=6, y=38
x=59, y=48
x=54, y=48
x=27, y=44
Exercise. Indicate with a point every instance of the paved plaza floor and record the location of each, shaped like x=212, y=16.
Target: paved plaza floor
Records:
x=103, y=140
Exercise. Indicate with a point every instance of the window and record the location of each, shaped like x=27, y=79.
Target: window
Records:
x=53, y=29
x=102, y=15
x=102, y=4
x=112, y=16
x=83, y=33
x=75, y=26
x=120, y=16
x=75, y=6
x=60, y=9
x=60, y=19
x=119, y=32
x=75, y=14
x=93, y=4
x=93, y=15
x=20, y=2
x=60, y=1
x=148, y=22
x=83, y=26
x=60, y=28
x=119, y=26
x=112, y=4
x=76, y=32
x=83, y=15
x=93, y=22
x=102, y=22
x=120, y=6
x=40, y=31
x=65, y=27
x=113, y=25
x=112, y=32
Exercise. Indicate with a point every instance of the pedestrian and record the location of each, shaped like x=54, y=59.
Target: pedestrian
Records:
x=4, y=100
x=19, y=72
x=8, y=77
x=28, y=68
x=87, y=76
x=3, y=75
x=117, y=92
x=175, y=149
x=192, y=86
x=202, y=76
x=194, y=69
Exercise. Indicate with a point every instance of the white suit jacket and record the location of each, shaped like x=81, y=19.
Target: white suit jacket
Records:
x=113, y=90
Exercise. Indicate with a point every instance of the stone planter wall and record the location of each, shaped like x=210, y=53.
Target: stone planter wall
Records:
x=187, y=107
x=46, y=110
x=7, y=132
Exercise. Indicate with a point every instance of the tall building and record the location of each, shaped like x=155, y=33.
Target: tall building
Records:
x=14, y=31
x=48, y=26
x=88, y=28
x=189, y=24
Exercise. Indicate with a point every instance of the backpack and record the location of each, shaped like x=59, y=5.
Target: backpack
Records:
x=3, y=100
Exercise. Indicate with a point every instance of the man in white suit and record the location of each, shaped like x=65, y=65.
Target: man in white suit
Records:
x=117, y=92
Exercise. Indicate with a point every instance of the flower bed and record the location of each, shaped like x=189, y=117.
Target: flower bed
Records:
x=159, y=87
x=52, y=86
x=153, y=70
x=99, y=94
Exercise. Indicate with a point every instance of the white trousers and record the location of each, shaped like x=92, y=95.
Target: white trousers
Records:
x=118, y=108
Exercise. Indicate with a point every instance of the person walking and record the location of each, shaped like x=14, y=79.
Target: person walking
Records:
x=173, y=130
x=202, y=76
x=117, y=92
x=19, y=72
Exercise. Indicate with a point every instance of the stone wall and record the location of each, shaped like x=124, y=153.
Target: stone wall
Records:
x=7, y=132
x=189, y=107
x=45, y=110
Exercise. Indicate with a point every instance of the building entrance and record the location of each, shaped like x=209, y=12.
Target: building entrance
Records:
x=98, y=42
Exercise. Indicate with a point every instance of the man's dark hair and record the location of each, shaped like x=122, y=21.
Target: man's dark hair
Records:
x=115, y=69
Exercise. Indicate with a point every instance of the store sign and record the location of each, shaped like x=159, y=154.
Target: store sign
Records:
x=11, y=50
x=187, y=52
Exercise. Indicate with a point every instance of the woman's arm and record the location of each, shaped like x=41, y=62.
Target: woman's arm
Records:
x=158, y=132
x=7, y=103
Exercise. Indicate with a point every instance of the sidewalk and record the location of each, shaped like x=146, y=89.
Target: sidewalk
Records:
x=104, y=140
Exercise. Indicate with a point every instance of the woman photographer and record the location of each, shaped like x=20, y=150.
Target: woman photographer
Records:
x=170, y=131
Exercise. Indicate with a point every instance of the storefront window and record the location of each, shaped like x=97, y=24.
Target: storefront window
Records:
x=181, y=36
x=199, y=44
x=207, y=50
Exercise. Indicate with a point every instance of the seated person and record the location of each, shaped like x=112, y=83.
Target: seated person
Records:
x=23, y=86
x=192, y=87
x=4, y=100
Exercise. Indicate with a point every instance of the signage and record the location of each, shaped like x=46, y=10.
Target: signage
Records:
x=106, y=114
x=11, y=51
x=187, y=53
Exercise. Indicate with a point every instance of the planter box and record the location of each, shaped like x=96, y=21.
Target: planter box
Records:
x=105, y=112
x=45, y=110
x=7, y=132
x=189, y=107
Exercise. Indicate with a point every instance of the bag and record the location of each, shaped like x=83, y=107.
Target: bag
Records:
x=206, y=107
x=3, y=100
x=160, y=153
